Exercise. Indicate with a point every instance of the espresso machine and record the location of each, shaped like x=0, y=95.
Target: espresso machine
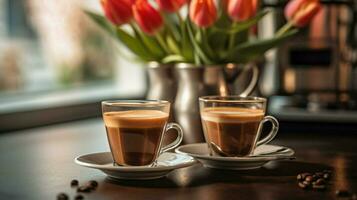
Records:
x=313, y=76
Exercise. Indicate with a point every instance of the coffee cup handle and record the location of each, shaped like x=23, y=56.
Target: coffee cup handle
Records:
x=273, y=132
x=178, y=140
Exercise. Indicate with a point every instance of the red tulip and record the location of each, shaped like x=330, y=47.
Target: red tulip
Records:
x=301, y=12
x=118, y=11
x=203, y=12
x=147, y=17
x=170, y=5
x=241, y=10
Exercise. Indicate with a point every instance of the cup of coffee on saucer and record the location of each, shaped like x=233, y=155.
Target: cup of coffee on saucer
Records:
x=232, y=125
x=135, y=130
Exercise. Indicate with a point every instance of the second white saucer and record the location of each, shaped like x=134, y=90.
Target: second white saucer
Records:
x=261, y=156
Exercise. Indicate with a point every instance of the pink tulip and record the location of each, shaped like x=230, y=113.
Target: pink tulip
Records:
x=241, y=10
x=149, y=19
x=203, y=12
x=301, y=12
x=118, y=11
x=170, y=5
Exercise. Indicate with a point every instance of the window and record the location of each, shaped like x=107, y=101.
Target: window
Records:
x=53, y=56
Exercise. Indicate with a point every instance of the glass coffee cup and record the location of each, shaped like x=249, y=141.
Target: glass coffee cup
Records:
x=135, y=130
x=232, y=125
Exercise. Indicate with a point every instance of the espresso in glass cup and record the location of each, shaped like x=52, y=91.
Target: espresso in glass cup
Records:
x=232, y=124
x=135, y=130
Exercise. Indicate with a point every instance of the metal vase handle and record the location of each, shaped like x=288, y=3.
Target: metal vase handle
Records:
x=234, y=73
x=253, y=82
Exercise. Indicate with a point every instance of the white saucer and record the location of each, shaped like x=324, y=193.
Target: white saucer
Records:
x=165, y=164
x=261, y=156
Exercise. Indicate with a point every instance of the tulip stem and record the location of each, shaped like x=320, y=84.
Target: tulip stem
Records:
x=179, y=17
x=284, y=29
x=231, y=40
x=161, y=41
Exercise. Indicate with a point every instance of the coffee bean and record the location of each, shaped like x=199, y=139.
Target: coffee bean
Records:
x=303, y=186
x=93, y=183
x=342, y=193
x=326, y=176
x=302, y=176
x=319, y=187
x=327, y=171
x=319, y=181
x=308, y=183
x=74, y=182
x=62, y=196
x=309, y=179
x=299, y=177
x=84, y=189
x=79, y=197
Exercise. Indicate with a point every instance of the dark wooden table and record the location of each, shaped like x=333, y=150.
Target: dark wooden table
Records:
x=38, y=164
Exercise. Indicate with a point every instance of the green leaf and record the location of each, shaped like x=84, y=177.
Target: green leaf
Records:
x=202, y=34
x=241, y=37
x=151, y=44
x=241, y=26
x=171, y=43
x=172, y=26
x=101, y=21
x=173, y=59
x=201, y=54
x=186, y=46
x=134, y=45
x=251, y=50
x=217, y=41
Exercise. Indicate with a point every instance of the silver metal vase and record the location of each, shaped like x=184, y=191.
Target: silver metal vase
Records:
x=163, y=86
x=195, y=81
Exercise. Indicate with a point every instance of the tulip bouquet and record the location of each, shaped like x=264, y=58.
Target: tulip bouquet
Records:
x=198, y=31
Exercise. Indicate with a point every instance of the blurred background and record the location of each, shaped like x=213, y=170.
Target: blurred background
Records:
x=56, y=65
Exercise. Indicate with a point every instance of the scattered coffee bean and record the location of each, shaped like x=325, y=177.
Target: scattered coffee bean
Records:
x=93, y=183
x=303, y=186
x=62, y=196
x=308, y=183
x=326, y=176
x=342, y=193
x=306, y=174
x=302, y=176
x=74, y=182
x=299, y=177
x=79, y=197
x=319, y=181
x=84, y=189
x=309, y=178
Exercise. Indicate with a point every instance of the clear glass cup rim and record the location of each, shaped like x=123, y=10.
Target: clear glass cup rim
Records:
x=135, y=103
x=232, y=99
